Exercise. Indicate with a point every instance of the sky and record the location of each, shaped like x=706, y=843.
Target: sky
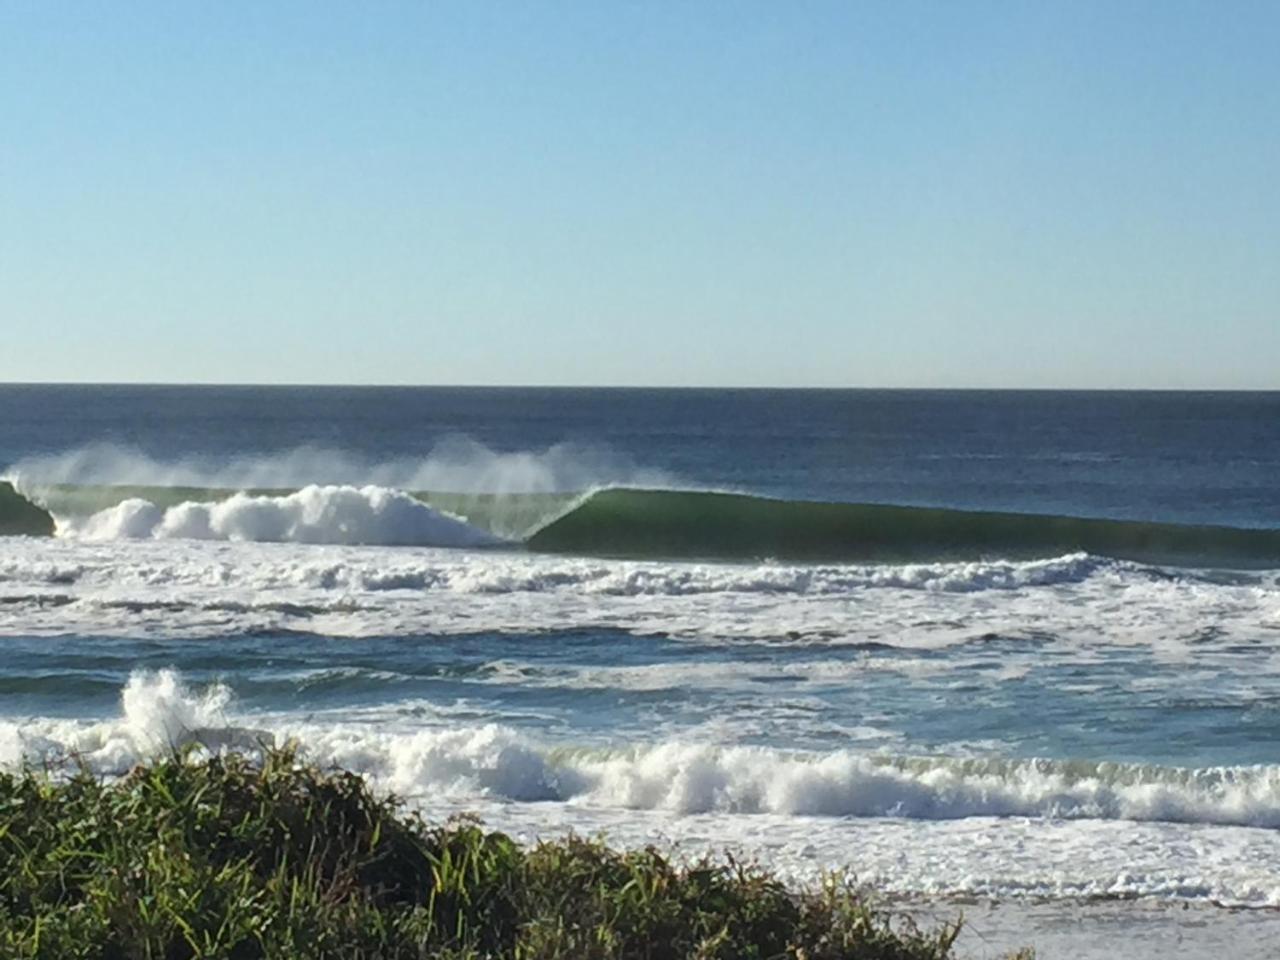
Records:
x=938, y=194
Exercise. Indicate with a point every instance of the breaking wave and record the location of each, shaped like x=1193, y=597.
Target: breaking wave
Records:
x=344, y=515
x=20, y=516
x=159, y=712
x=559, y=502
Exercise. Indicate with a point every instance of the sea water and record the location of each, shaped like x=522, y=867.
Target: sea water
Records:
x=458, y=593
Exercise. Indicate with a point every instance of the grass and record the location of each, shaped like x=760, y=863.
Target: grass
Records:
x=228, y=857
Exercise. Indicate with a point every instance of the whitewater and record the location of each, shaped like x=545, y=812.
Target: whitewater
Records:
x=1036, y=677
x=758, y=695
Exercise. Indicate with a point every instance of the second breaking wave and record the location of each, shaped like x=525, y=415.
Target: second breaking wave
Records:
x=160, y=712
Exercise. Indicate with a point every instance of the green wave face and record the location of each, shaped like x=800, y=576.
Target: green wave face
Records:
x=671, y=524
x=658, y=523
x=20, y=517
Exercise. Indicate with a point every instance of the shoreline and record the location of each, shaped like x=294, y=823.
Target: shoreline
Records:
x=1137, y=929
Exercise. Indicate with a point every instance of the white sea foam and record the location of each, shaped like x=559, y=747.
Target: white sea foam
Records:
x=344, y=515
x=1080, y=604
x=314, y=514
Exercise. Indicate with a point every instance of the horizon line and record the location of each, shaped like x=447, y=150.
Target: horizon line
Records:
x=232, y=384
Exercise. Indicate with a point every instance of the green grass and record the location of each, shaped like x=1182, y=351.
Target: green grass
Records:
x=234, y=858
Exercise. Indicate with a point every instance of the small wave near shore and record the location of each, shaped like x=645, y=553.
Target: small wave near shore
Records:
x=161, y=713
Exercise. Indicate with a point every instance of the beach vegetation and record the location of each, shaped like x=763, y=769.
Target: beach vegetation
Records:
x=238, y=857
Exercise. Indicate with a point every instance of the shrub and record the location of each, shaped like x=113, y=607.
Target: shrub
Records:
x=231, y=857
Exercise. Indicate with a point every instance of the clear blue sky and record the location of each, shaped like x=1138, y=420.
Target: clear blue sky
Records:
x=863, y=194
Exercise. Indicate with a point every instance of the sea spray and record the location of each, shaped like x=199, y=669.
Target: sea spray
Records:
x=159, y=714
x=455, y=464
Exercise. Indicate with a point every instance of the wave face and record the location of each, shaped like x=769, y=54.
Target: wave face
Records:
x=661, y=523
x=20, y=517
x=619, y=522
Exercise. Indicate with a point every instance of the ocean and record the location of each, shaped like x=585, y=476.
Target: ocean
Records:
x=1015, y=653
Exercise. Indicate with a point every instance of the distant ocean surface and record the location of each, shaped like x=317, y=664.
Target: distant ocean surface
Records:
x=1001, y=648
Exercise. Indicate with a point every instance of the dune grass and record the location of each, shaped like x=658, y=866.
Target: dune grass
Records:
x=231, y=857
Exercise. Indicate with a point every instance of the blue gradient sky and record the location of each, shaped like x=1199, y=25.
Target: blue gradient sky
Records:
x=828, y=194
